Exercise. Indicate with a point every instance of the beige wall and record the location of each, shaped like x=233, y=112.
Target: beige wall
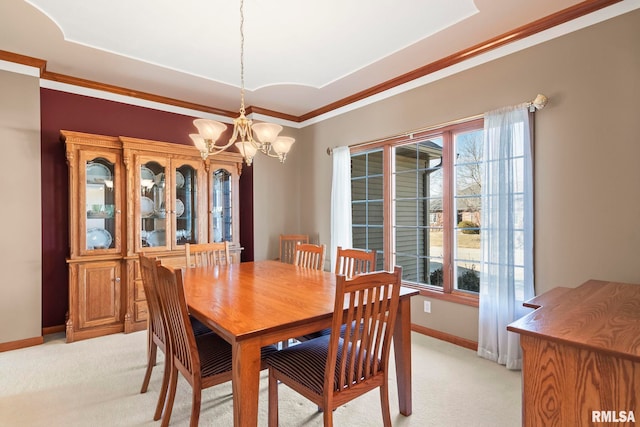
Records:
x=20, y=216
x=587, y=153
x=276, y=187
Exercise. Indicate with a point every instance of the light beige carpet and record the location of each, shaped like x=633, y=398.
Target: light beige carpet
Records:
x=97, y=382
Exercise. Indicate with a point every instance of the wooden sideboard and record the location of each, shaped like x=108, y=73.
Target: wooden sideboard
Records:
x=581, y=356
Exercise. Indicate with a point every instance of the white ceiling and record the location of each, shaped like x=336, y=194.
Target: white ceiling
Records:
x=299, y=55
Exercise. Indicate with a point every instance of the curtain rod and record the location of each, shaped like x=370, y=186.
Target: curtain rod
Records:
x=537, y=104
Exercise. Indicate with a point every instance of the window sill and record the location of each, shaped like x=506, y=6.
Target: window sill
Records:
x=455, y=297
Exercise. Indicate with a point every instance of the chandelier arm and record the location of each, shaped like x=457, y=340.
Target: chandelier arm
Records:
x=270, y=154
x=267, y=150
x=217, y=149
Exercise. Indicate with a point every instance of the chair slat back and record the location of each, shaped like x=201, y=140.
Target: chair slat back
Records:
x=351, y=262
x=148, y=271
x=288, y=244
x=371, y=301
x=174, y=304
x=207, y=254
x=310, y=256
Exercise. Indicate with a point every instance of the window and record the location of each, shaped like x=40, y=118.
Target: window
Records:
x=367, y=203
x=416, y=200
x=467, y=206
x=418, y=211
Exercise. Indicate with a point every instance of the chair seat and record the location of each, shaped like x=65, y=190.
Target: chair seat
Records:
x=305, y=362
x=318, y=334
x=325, y=332
x=199, y=328
x=215, y=354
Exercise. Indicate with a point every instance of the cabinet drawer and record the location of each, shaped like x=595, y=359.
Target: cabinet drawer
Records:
x=138, y=291
x=140, y=311
x=137, y=274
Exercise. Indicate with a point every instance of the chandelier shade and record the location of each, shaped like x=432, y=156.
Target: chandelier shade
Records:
x=266, y=138
x=266, y=132
x=248, y=151
x=282, y=145
x=209, y=129
x=199, y=142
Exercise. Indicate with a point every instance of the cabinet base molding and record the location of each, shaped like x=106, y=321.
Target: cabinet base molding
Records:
x=131, y=326
x=98, y=331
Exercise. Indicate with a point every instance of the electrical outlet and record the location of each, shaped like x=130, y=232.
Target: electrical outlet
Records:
x=427, y=306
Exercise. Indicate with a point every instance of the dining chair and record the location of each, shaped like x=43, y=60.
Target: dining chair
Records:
x=157, y=335
x=207, y=254
x=330, y=370
x=310, y=256
x=204, y=360
x=288, y=244
x=349, y=263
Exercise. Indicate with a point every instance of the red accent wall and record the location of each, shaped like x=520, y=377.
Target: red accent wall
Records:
x=66, y=111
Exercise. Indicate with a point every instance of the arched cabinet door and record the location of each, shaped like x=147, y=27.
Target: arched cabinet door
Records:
x=152, y=203
x=96, y=190
x=99, y=201
x=222, y=209
x=224, y=222
x=189, y=200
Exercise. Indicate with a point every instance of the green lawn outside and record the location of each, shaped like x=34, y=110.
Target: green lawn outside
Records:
x=471, y=241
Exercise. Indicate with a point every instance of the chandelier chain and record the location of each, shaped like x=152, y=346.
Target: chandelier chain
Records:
x=242, y=109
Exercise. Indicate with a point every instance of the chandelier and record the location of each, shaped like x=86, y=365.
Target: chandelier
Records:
x=266, y=138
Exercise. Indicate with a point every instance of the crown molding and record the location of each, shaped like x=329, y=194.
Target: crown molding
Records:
x=388, y=88
x=520, y=33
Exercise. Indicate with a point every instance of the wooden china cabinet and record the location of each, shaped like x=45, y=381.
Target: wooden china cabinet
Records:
x=128, y=196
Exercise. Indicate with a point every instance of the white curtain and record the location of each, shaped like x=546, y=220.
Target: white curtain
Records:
x=340, y=201
x=506, y=232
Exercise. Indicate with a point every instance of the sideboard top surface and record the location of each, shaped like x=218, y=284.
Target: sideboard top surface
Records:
x=599, y=315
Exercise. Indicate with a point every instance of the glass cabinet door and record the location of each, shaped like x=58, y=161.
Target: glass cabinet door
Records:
x=222, y=214
x=186, y=202
x=153, y=205
x=99, y=202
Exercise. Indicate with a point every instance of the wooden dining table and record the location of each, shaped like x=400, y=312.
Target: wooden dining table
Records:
x=253, y=304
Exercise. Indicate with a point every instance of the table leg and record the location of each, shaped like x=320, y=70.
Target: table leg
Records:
x=402, y=351
x=246, y=383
